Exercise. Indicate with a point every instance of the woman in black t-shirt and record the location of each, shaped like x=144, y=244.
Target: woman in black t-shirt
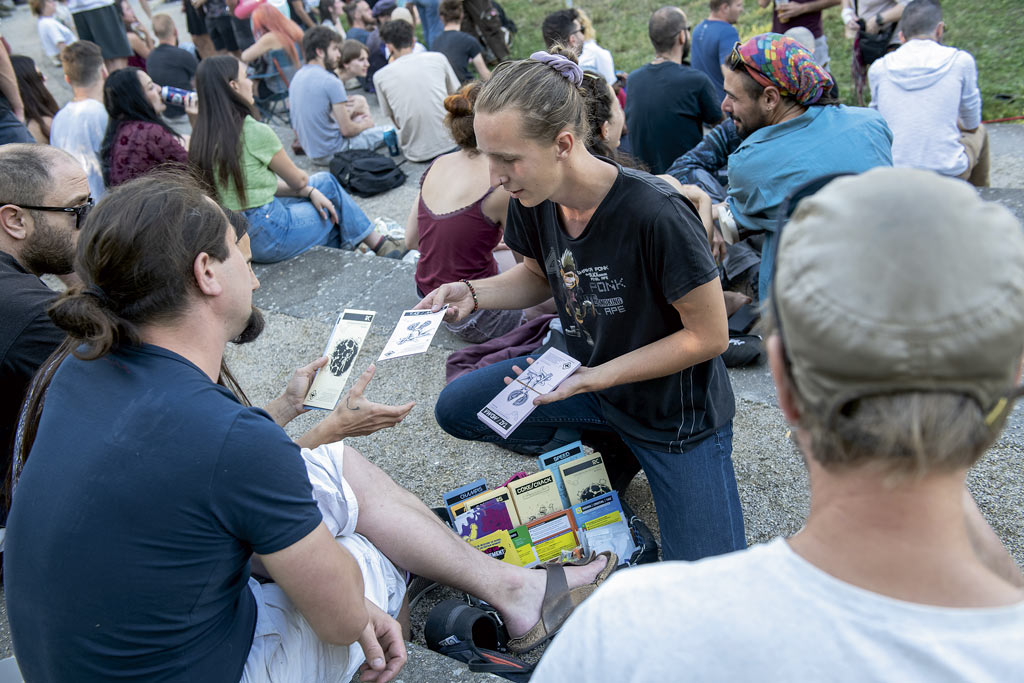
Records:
x=639, y=299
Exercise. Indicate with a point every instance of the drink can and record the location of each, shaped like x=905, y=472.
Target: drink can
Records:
x=391, y=140
x=177, y=96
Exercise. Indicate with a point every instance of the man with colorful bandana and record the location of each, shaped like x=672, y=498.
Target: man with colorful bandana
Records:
x=792, y=132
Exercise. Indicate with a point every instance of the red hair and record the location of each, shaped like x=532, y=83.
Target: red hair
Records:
x=266, y=18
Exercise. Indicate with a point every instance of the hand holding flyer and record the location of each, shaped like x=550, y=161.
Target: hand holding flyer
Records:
x=342, y=349
x=507, y=410
x=413, y=334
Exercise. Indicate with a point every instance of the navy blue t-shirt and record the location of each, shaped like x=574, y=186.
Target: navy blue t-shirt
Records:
x=128, y=543
x=614, y=286
x=666, y=107
x=713, y=40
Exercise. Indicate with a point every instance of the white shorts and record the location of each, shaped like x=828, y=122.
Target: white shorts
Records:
x=285, y=648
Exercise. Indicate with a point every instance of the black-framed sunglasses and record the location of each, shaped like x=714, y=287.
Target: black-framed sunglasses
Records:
x=80, y=211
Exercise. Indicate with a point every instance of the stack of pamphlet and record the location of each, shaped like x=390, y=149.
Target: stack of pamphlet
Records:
x=565, y=510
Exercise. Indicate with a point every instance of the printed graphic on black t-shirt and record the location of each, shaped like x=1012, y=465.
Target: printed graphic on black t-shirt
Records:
x=614, y=285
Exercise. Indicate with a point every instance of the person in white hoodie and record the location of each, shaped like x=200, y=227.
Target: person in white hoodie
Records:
x=928, y=94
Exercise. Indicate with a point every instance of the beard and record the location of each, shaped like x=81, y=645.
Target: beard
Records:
x=253, y=328
x=686, y=50
x=48, y=250
x=331, y=65
x=750, y=124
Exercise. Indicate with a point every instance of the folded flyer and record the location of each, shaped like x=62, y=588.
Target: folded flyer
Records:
x=514, y=403
x=342, y=348
x=412, y=335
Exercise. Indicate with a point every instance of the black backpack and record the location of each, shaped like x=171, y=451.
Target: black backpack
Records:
x=365, y=173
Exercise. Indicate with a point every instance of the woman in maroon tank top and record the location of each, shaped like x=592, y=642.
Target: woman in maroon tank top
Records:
x=457, y=222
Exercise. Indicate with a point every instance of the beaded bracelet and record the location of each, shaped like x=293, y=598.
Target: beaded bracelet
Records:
x=476, y=302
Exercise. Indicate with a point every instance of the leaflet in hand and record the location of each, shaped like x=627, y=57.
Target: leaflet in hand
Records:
x=342, y=348
x=413, y=334
x=507, y=410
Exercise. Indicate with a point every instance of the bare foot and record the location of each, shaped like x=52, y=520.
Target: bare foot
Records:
x=522, y=609
x=734, y=301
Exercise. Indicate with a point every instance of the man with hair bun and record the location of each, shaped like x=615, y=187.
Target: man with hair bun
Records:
x=148, y=490
x=896, y=374
x=669, y=101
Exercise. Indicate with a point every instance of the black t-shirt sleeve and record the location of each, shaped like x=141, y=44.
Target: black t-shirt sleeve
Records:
x=677, y=250
x=38, y=339
x=470, y=45
x=521, y=234
x=710, y=106
x=260, y=491
x=190, y=64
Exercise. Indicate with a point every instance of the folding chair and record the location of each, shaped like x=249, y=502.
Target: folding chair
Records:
x=270, y=88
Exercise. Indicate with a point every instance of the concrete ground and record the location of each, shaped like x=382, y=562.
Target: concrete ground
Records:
x=302, y=297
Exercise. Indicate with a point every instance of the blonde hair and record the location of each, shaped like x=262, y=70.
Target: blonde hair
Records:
x=547, y=101
x=586, y=24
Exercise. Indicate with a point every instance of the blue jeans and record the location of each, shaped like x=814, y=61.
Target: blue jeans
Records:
x=287, y=226
x=432, y=26
x=694, y=492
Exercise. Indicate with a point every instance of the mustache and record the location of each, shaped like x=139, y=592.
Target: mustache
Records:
x=253, y=328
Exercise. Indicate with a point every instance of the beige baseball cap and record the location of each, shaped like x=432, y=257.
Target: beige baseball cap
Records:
x=901, y=280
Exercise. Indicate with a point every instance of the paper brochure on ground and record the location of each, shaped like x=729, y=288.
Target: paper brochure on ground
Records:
x=552, y=459
x=535, y=496
x=342, y=349
x=585, y=478
x=412, y=335
x=455, y=500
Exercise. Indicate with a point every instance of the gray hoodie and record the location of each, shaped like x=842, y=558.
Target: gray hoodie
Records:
x=923, y=89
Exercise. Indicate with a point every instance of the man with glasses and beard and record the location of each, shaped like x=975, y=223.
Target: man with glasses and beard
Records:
x=669, y=101
x=44, y=195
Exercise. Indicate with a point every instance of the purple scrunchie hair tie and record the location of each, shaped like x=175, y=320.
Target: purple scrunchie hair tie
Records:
x=563, y=65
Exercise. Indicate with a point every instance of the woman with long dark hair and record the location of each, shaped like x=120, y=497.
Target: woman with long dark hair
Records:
x=330, y=16
x=137, y=138
x=40, y=106
x=245, y=166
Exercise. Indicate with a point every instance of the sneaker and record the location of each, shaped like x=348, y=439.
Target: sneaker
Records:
x=391, y=247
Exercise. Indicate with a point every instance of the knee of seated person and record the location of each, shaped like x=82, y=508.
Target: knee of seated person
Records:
x=450, y=411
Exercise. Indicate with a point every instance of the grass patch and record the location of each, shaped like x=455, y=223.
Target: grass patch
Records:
x=988, y=29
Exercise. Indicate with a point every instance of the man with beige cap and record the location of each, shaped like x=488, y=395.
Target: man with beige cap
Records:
x=898, y=311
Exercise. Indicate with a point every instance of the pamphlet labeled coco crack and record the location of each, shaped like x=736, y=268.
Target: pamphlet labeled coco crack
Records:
x=412, y=335
x=507, y=410
x=342, y=348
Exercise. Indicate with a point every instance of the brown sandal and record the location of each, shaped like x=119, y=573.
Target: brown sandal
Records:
x=559, y=601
